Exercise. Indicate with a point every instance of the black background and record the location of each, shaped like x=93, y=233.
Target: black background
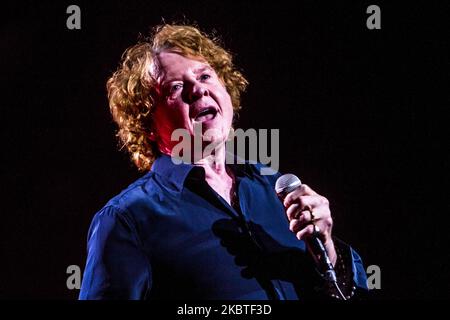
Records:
x=362, y=118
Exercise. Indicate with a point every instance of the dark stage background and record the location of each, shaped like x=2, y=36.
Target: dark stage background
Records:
x=362, y=117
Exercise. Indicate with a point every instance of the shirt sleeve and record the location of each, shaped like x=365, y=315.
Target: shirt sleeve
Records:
x=116, y=266
x=350, y=273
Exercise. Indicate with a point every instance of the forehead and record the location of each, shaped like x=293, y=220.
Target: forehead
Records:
x=174, y=65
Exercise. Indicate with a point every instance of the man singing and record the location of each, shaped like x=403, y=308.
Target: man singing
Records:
x=207, y=229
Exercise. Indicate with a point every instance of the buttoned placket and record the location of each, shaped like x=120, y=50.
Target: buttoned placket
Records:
x=240, y=216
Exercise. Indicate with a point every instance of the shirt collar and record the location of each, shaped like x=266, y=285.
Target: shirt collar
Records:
x=173, y=172
x=177, y=173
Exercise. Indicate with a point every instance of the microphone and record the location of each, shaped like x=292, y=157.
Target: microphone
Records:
x=286, y=184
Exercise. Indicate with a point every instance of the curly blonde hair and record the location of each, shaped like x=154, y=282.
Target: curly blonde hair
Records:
x=132, y=90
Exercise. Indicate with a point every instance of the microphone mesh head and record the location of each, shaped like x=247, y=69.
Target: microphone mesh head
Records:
x=287, y=183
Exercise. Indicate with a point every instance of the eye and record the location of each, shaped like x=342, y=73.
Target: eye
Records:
x=175, y=87
x=205, y=76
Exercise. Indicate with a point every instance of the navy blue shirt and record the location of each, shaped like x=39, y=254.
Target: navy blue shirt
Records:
x=169, y=235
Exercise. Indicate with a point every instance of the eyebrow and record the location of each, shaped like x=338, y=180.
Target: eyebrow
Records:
x=203, y=68
x=196, y=71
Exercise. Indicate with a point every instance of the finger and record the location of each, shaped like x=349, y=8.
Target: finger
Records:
x=308, y=191
x=293, y=196
x=295, y=225
x=307, y=217
x=310, y=202
x=306, y=232
x=294, y=211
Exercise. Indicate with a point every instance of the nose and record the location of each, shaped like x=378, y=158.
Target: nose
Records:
x=196, y=91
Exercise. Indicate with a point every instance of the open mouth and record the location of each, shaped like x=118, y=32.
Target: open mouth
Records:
x=206, y=114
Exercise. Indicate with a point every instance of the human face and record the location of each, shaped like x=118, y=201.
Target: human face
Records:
x=191, y=94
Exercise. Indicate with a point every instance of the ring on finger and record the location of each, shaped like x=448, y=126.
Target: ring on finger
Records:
x=313, y=218
x=316, y=230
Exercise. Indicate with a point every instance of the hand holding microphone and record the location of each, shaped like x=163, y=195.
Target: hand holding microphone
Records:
x=310, y=219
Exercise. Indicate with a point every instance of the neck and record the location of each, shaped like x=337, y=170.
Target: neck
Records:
x=217, y=175
x=214, y=164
